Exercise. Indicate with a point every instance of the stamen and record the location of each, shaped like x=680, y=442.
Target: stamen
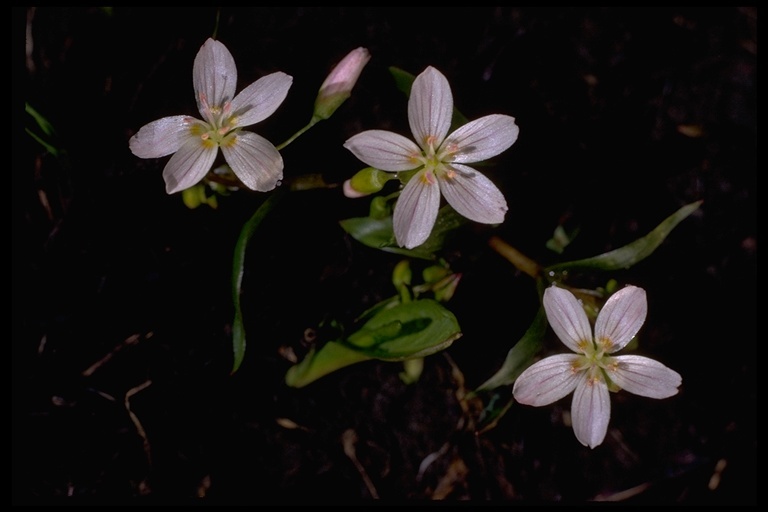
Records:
x=428, y=178
x=605, y=343
x=204, y=103
x=450, y=149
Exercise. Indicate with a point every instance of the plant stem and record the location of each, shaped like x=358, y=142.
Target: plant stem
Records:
x=518, y=259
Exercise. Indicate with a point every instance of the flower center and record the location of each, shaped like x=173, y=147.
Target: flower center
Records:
x=434, y=160
x=220, y=123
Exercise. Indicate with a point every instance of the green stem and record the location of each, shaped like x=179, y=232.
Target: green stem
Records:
x=296, y=135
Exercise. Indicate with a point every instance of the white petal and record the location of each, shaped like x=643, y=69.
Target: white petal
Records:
x=416, y=210
x=567, y=318
x=591, y=411
x=385, y=150
x=473, y=195
x=547, y=381
x=189, y=165
x=645, y=377
x=259, y=100
x=621, y=317
x=254, y=160
x=161, y=137
x=214, y=75
x=482, y=139
x=430, y=107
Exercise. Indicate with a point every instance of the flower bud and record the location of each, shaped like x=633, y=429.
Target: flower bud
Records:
x=401, y=274
x=366, y=182
x=337, y=87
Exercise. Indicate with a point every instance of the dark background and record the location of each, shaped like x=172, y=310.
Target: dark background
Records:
x=625, y=115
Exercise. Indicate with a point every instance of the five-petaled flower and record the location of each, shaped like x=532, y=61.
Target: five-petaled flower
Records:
x=592, y=372
x=195, y=143
x=440, y=159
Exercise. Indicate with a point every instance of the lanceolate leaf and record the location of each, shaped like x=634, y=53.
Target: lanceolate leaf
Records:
x=632, y=253
x=521, y=355
x=249, y=228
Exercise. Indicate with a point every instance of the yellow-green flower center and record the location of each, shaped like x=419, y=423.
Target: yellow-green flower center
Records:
x=434, y=160
x=596, y=361
x=220, y=127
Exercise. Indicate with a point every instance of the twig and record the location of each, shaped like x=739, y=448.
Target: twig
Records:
x=348, y=440
x=130, y=340
x=135, y=419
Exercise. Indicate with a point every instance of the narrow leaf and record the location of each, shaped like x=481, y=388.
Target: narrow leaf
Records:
x=249, y=228
x=632, y=253
x=521, y=355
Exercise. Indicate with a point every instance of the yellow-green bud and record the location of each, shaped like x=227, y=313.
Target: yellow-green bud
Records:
x=365, y=182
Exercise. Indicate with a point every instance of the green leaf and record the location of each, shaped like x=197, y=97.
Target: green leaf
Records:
x=521, y=355
x=402, y=332
x=246, y=233
x=495, y=393
x=378, y=233
x=403, y=80
x=495, y=404
x=632, y=253
x=46, y=127
x=41, y=121
x=319, y=363
x=413, y=329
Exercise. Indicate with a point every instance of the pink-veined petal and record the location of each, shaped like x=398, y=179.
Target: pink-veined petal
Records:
x=259, y=100
x=567, y=318
x=591, y=411
x=416, y=210
x=548, y=380
x=482, y=139
x=254, y=160
x=214, y=76
x=162, y=137
x=430, y=107
x=621, y=317
x=473, y=195
x=189, y=165
x=385, y=150
x=644, y=376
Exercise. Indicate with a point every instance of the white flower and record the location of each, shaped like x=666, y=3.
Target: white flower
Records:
x=195, y=143
x=440, y=158
x=591, y=370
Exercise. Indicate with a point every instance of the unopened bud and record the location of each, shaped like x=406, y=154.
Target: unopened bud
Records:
x=337, y=87
x=366, y=182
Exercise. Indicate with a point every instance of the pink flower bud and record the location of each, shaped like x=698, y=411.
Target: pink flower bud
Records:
x=337, y=87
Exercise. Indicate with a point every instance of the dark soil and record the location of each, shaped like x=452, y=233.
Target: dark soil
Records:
x=122, y=307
